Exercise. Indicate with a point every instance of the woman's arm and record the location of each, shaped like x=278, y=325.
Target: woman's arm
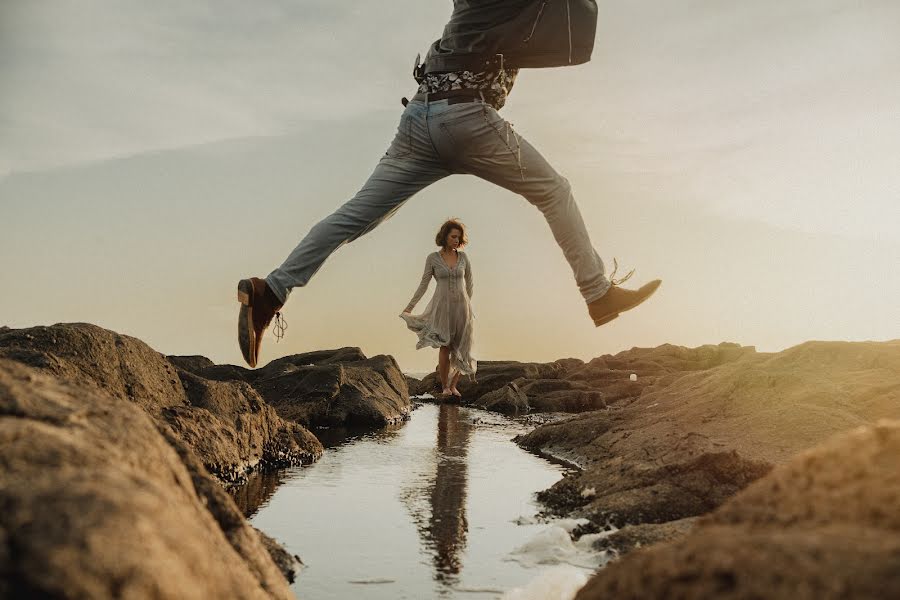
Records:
x=469, y=283
x=423, y=285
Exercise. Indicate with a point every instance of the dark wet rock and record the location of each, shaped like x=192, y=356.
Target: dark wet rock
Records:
x=632, y=537
x=234, y=430
x=823, y=525
x=203, y=367
x=561, y=395
x=307, y=359
x=493, y=375
x=638, y=493
x=192, y=364
x=289, y=564
x=509, y=400
x=226, y=423
x=335, y=388
x=413, y=384
x=96, y=503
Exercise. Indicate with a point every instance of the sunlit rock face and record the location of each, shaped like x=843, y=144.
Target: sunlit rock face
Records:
x=825, y=524
x=329, y=388
x=101, y=500
x=226, y=423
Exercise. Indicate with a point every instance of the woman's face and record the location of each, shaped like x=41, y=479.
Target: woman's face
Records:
x=453, y=239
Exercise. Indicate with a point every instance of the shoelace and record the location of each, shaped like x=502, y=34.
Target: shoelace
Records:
x=612, y=277
x=279, y=326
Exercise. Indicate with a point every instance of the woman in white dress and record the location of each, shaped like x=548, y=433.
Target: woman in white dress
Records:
x=447, y=322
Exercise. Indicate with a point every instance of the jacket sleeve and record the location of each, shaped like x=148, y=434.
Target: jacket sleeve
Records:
x=423, y=285
x=469, y=282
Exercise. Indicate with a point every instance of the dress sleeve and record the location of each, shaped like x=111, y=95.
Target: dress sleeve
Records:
x=469, y=282
x=423, y=285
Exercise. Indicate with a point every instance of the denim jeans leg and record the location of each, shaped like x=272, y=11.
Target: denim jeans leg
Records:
x=408, y=167
x=488, y=147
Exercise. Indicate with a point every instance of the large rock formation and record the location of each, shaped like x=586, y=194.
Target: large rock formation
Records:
x=691, y=440
x=226, y=423
x=825, y=525
x=325, y=388
x=336, y=388
x=98, y=503
x=571, y=385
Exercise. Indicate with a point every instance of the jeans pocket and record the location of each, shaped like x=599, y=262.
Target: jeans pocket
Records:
x=402, y=144
x=483, y=132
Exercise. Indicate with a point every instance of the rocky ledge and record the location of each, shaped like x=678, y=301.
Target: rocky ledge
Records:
x=116, y=460
x=721, y=470
x=99, y=501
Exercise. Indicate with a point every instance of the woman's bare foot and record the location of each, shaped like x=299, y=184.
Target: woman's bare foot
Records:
x=456, y=392
x=446, y=392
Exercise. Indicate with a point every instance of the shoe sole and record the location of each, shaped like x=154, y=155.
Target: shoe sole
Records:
x=609, y=318
x=246, y=332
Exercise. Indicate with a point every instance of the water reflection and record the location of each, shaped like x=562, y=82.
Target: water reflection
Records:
x=257, y=491
x=437, y=500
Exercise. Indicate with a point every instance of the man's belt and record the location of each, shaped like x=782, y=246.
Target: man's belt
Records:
x=452, y=96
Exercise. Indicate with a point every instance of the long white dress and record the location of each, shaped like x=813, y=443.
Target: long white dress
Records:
x=448, y=318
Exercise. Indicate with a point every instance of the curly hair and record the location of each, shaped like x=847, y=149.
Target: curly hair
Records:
x=444, y=232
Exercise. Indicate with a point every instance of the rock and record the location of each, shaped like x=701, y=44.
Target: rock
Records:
x=493, y=375
x=227, y=423
x=97, y=504
x=691, y=440
x=561, y=395
x=205, y=368
x=632, y=537
x=336, y=388
x=508, y=400
x=289, y=564
x=412, y=384
x=823, y=525
x=234, y=431
x=192, y=364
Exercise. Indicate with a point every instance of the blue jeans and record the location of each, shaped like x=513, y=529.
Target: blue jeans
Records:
x=434, y=140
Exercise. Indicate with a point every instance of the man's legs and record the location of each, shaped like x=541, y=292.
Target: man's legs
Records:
x=409, y=165
x=486, y=145
x=392, y=183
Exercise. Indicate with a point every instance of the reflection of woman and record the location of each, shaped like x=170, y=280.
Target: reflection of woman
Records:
x=446, y=323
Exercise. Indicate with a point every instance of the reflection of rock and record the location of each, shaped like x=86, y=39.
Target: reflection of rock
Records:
x=226, y=423
x=258, y=488
x=824, y=525
x=336, y=387
x=100, y=499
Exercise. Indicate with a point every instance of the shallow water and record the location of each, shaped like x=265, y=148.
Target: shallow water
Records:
x=427, y=509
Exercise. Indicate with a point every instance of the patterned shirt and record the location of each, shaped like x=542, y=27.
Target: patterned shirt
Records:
x=494, y=84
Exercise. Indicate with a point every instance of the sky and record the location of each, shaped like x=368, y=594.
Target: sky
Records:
x=152, y=154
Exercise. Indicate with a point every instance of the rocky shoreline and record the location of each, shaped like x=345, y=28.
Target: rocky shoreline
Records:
x=727, y=472
x=117, y=460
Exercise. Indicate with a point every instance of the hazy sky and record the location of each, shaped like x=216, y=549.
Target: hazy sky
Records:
x=151, y=154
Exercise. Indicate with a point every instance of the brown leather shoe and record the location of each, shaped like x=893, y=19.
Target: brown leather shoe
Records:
x=259, y=305
x=617, y=300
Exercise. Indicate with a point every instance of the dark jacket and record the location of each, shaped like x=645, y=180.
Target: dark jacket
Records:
x=483, y=34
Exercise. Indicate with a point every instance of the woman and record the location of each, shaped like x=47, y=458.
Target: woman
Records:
x=446, y=323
